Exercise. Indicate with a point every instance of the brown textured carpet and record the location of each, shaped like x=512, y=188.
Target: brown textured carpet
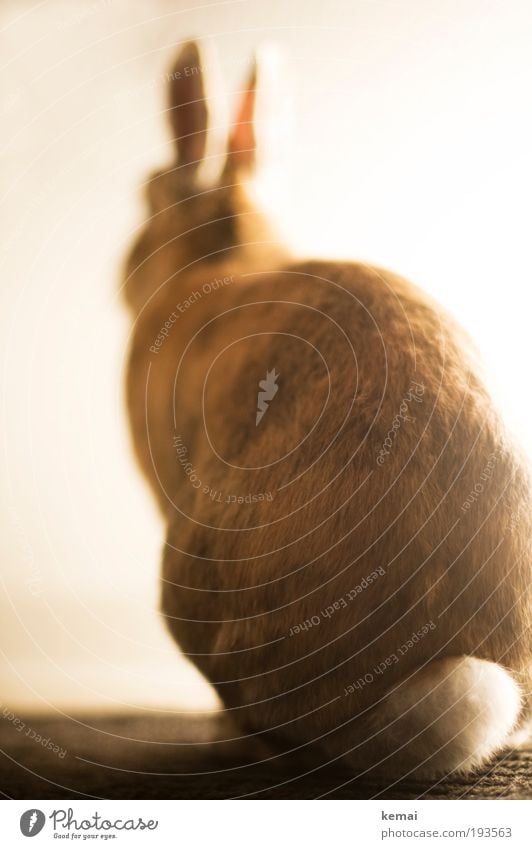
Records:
x=152, y=756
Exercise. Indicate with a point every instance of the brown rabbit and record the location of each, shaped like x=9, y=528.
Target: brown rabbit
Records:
x=348, y=523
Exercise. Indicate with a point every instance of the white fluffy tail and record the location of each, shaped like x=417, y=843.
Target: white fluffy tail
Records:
x=452, y=715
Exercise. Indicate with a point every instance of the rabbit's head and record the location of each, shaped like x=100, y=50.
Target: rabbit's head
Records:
x=191, y=223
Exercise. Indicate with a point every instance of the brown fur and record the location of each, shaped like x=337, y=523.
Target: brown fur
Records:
x=349, y=342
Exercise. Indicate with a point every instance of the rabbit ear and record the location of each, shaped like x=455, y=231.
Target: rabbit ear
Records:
x=187, y=108
x=241, y=148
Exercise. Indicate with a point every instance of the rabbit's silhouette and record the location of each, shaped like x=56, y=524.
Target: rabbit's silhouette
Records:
x=354, y=573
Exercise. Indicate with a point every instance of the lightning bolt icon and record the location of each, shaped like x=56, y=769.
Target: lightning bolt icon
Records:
x=269, y=388
x=33, y=820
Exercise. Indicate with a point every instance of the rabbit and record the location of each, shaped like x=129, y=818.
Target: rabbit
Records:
x=348, y=523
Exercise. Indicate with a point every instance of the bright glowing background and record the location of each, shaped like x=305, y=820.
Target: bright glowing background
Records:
x=411, y=148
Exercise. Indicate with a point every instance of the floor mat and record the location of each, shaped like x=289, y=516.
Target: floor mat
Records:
x=169, y=756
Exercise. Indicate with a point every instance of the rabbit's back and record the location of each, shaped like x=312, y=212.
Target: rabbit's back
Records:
x=377, y=504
